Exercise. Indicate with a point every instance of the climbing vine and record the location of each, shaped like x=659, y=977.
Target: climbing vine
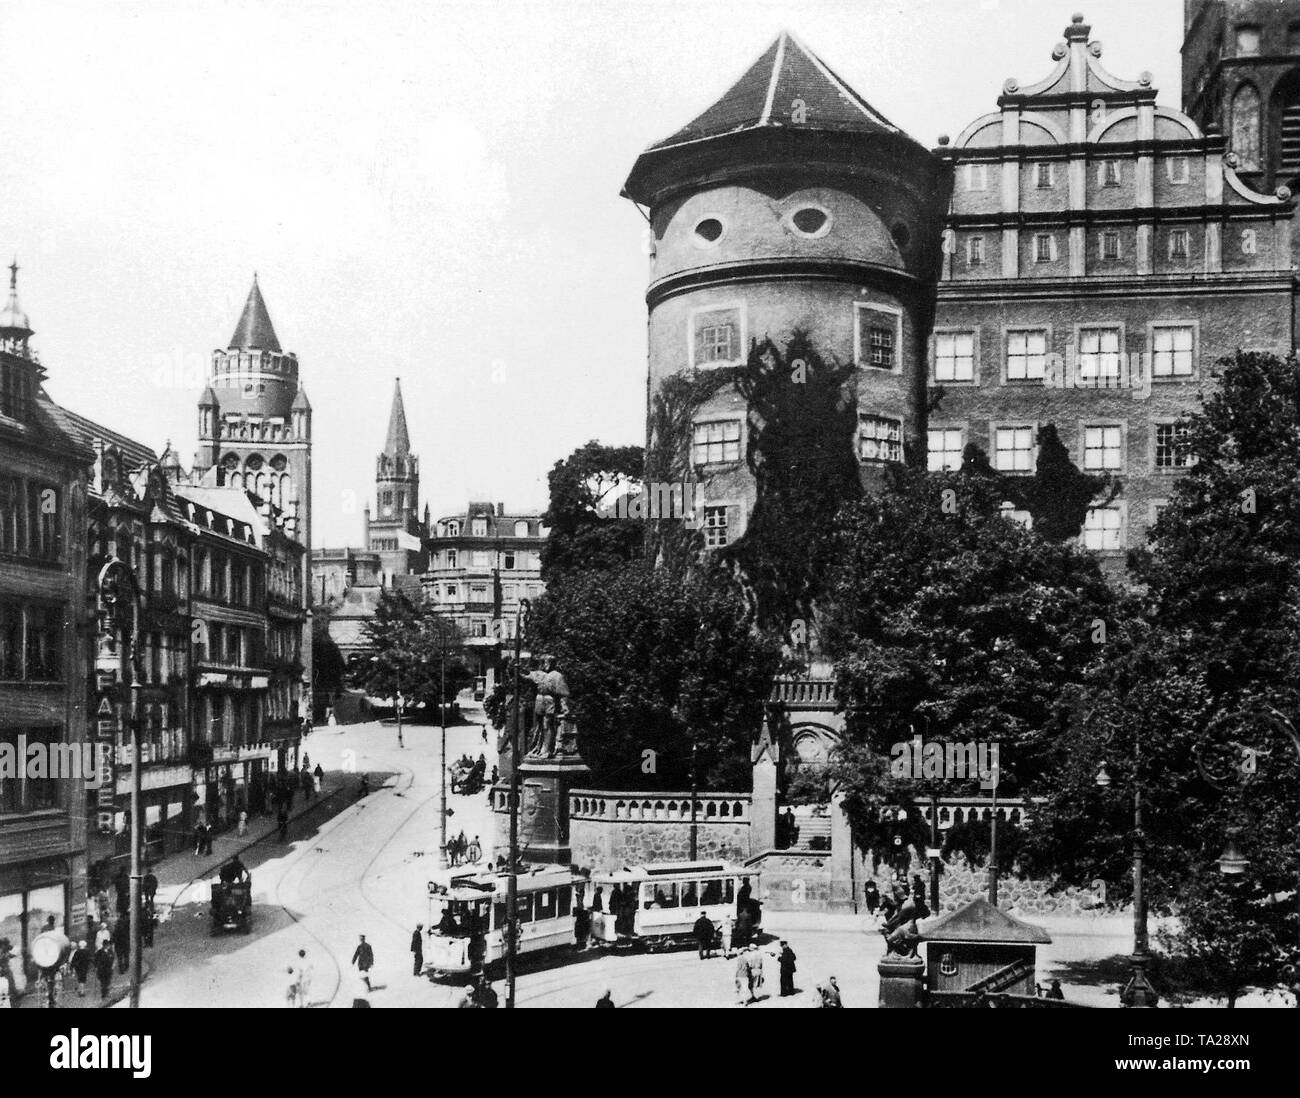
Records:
x=802, y=420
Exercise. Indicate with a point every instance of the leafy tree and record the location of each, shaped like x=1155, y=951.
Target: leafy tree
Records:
x=943, y=618
x=1212, y=636
x=406, y=640
x=1225, y=937
x=587, y=481
x=655, y=661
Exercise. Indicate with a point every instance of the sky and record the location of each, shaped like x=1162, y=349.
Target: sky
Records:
x=426, y=190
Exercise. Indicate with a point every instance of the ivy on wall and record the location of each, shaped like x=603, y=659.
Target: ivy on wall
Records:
x=802, y=422
x=671, y=543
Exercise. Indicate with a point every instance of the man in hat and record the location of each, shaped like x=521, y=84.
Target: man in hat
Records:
x=417, y=949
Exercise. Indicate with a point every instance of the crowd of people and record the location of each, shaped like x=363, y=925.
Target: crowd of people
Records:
x=104, y=949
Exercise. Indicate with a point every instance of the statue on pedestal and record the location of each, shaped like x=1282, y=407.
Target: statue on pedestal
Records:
x=551, y=713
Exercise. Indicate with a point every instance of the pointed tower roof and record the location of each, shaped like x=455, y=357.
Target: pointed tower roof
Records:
x=300, y=401
x=13, y=319
x=765, y=96
x=789, y=97
x=208, y=398
x=254, y=332
x=398, y=442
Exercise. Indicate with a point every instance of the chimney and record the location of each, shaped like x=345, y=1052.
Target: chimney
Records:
x=501, y=509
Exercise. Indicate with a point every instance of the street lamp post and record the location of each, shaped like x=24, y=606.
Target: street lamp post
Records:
x=1138, y=992
x=120, y=593
x=512, y=885
x=442, y=737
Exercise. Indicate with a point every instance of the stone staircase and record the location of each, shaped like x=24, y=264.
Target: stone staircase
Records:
x=811, y=825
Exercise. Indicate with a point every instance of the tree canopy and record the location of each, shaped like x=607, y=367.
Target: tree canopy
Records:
x=946, y=619
x=406, y=639
x=587, y=481
x=654, y=661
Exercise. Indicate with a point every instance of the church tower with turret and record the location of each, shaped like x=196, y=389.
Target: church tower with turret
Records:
x=255, y=419
x=394, y=530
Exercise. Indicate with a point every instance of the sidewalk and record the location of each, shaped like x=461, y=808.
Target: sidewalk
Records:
x=178, y=871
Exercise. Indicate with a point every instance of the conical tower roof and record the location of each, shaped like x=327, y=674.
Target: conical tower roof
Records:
x=398, y=442
x=254, y=332
x=787, y=73
x=788, y=93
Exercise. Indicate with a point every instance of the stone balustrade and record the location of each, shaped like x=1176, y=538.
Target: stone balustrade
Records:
x=676, y=807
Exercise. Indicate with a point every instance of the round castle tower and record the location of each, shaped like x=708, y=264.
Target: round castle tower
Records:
x=791, y=204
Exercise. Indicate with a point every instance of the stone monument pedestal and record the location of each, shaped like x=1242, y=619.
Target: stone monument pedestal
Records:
x=900, y=981
x=544, y=807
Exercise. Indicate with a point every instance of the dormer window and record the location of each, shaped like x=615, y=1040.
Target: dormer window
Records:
x=478, y=528
x=453, y=529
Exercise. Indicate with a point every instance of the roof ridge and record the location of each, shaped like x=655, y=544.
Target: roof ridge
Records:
x=777, y=62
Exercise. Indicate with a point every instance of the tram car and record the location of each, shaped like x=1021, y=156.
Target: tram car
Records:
x=656, y=906
x=467, y=917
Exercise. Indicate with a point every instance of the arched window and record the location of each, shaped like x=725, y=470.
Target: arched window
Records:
x=1245, y=127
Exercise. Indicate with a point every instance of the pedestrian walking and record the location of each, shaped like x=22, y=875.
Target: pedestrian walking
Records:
x=1055, y=992
x=726, y=934
x=486, y=996
x=104, y=968
x=581, y=926
x=417, y=949
x=241, y=828
x=871, y=894
x=786, y=961
x=150, y=886
x=101, y=905
x=292, y=991
x=703, y=931
x=606, y=1001
x=744, y=990
x=122, y=943
x=364, y=958
x=755, y=970
x=123, y=885
x=80, y=962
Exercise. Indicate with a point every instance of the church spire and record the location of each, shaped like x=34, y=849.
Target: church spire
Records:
x=254, y=332
x=398, y=443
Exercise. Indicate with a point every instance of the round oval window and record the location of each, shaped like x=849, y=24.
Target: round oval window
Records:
x=809, y=220
x=709, y=230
